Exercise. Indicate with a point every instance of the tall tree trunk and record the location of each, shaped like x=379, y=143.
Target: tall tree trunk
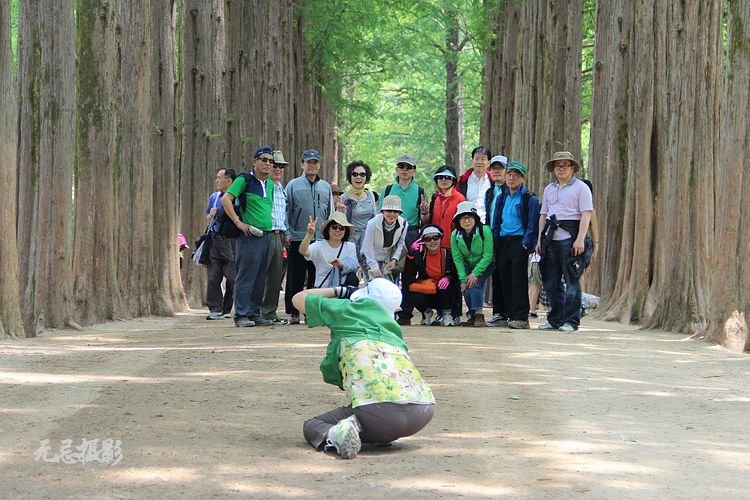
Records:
x=730, y=287
x=500, y=69
x=47, y=64
x=453, y=153
x=10, y=308
x=166, y=192
x=96, y=291
x=667, y=141
x=136, y=257
x=540, y=55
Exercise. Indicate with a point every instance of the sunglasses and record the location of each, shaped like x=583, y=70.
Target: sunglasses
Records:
x=337, y=227
x=266, y=160
x=359, y=174
x=406, y=166
x=427, y=239
x=279, y=165
x=443, y=178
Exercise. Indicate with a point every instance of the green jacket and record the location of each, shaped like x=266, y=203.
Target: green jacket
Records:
x=355, y=321
x=477, y=258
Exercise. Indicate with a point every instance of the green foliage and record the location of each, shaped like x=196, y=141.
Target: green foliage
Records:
x=382, y=64
x=14, y=30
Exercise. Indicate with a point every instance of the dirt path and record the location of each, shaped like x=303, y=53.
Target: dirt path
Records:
x=207, y=410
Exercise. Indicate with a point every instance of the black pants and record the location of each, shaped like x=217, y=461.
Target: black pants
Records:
x=511, y=262
x=498, y=303
x=221, y=265
x=299, y=272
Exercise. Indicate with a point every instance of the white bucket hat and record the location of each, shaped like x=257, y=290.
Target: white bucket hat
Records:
x=384, y=292
x=392, y=202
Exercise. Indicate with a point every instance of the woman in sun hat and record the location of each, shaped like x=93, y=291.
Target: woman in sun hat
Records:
x=473, y=253
x=367, y=357
x=334, y=257
x=444, y=202
x=383, y=243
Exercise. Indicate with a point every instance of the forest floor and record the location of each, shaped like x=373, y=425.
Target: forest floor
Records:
x=206, y=410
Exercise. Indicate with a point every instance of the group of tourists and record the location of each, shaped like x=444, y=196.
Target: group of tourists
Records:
x=410, y=250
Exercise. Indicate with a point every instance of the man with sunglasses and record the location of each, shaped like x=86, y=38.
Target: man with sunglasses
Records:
x=278, y=242
x=412, y=195
x=251, y=250
x=307, y=196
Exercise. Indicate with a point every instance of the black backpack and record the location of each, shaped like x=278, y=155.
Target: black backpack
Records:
x=224, y=225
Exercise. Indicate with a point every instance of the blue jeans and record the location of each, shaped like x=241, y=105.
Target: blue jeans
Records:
x=251, y=256
x=564, y=300
x=474, y=296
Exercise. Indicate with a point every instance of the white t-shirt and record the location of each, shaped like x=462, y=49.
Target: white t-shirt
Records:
x=321, y=255
x=475, y=189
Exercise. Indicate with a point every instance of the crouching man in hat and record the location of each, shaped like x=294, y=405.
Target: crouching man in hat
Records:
x=367, y=357
x=563, y=222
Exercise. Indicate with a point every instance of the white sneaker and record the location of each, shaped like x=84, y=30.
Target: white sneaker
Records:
x=448, y=320
x=427, y=320
x=345, y=437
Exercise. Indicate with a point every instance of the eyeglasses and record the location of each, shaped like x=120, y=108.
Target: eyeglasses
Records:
x=406, y=166
x=427, y=239
x=279, y=165
x=359, y=174
x=336, y=227
x=564, y=166
x=266, y=159
x=443, y=178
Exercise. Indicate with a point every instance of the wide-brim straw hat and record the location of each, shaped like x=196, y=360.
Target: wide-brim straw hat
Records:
x=338, y=218
x=562, y=155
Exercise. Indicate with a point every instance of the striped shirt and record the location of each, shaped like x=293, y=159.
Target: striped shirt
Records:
x=278, y=211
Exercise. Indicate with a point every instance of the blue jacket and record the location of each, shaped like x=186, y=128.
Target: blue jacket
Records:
x=528, y=211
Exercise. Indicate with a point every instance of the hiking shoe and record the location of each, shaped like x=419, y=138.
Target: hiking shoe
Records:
x=261, y=321
x=214, y=316
x=448, y=320
x=294, y=319
x=346, y=437
x=498, y=320
x=469, y=321
x=244, y=322
x=403, y=322
x=547, y=326
x=479, y=320
x=427, y=317
x=279, y=321
x=568, y=328
x=517, y=324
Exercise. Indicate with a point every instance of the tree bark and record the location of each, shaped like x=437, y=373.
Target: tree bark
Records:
x=730, y=286
x=46, y=155
x=540, y=56
x=453, y=150
x=96, y=291
x=10, y=308
x=657, y=229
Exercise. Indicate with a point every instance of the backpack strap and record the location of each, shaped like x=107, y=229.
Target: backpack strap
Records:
x=387, y=190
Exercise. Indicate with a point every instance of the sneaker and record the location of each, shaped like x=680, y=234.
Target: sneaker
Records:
x=214, y=316
x=427, y=317
x=498, y=320
x=448, y=320
x=279, y=321
x=346, y=437
x=261, y=321
x=547, y=326
x=518, y=324
x=227, y=315
x=294, y=319
x=244, y=322
x=568, y=328
x=532, y=314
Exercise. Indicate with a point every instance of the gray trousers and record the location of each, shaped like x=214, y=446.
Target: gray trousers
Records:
x=251, y=254
x=220, y=265
x=273, y=279
x=381, y=422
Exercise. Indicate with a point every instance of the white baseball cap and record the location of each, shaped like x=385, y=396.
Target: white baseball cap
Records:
x=384, y=292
